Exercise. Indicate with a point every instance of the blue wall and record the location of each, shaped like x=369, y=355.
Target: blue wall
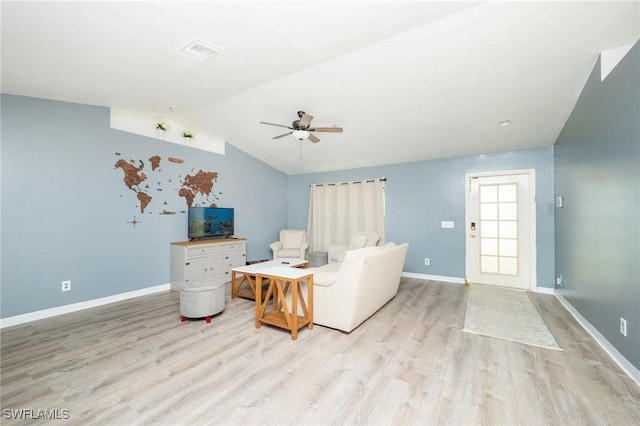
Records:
x=597, y=159
x=419, y=195
x=65, y=208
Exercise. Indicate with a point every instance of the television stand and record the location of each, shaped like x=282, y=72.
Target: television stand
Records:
x=206, y=260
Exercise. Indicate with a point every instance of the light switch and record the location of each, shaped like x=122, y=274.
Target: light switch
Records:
x=446, y=224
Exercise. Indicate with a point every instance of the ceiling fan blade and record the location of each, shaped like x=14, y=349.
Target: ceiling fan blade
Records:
x=326, y=129
x=282, y=135
x=274, y=124
x=313, y=138
x=305, y=120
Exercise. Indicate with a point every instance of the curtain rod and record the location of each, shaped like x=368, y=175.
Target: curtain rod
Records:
x=382, y=179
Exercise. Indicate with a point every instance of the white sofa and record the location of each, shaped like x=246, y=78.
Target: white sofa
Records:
x=345, y=294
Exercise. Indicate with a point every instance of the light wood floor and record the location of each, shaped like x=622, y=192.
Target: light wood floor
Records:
x=134, y=362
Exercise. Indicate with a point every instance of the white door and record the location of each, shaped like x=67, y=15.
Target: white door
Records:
x=500, y=228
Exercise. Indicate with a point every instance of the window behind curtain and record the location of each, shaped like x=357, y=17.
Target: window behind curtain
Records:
x=337, y=210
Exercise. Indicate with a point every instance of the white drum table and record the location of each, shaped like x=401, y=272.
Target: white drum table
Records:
x=201, y=299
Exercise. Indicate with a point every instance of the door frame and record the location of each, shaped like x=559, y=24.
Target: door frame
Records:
x=533, y=252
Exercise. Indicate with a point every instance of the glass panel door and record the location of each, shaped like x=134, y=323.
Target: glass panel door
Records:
x=499, y=228
x=500, y=234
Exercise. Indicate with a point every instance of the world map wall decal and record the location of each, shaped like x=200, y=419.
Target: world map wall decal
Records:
x=154, y=186
x=134, y=222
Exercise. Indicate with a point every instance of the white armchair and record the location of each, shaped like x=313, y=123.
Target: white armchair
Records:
x=358, y=240
x=292, y=243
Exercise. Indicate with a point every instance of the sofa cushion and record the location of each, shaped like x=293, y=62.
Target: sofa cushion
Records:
x=357, y=241
x=372, y=239
x=337, y=255
x=351, y=256
x=289, y=252
x=292, y=240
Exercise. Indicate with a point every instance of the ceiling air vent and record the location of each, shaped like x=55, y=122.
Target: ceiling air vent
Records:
x=200, y=49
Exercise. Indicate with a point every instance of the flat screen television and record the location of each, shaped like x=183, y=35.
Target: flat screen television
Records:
x=210, y=222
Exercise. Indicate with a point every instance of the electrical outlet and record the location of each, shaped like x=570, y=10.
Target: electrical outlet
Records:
x=427, y=261
x=623, y=326
x=66, y=285
x=560, y=281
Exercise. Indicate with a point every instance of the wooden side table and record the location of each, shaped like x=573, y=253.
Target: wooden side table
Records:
x=284, y=310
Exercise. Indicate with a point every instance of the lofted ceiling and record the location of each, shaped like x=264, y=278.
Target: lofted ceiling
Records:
x=407, y=81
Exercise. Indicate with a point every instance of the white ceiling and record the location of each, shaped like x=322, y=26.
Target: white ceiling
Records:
x=408, y=81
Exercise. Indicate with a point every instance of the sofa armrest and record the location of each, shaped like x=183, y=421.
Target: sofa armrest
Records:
x=275, y=246
x=326, y=275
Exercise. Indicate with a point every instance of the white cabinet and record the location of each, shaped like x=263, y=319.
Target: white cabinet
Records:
x=207, y=260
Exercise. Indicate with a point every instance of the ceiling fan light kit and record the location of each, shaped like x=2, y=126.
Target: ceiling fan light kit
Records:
x=300, y=134
x=301, y=128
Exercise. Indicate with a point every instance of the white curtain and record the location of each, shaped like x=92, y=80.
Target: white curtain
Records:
x=337, y=210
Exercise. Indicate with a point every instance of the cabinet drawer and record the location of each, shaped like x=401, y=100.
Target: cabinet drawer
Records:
x=203, y=250
x=232, y=247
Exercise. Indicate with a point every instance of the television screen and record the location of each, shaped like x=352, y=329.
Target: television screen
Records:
x=210, y=222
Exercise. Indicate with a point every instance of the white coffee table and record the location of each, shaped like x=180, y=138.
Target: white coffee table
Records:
x=247, y=274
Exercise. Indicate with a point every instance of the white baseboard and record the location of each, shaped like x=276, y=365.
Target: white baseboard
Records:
x=545, y=290
x=616, y=356
x=60, y=310
x=458, y=280
x=454, y=280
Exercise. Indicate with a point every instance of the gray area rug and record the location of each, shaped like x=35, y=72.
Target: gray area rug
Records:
x=506, y=314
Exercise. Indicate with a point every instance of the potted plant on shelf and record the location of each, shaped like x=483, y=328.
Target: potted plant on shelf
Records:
x=161, y=127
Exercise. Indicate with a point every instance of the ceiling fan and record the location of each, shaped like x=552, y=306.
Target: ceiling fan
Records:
x=301, y=128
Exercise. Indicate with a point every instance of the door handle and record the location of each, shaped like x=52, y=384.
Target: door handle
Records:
x=473, y=229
